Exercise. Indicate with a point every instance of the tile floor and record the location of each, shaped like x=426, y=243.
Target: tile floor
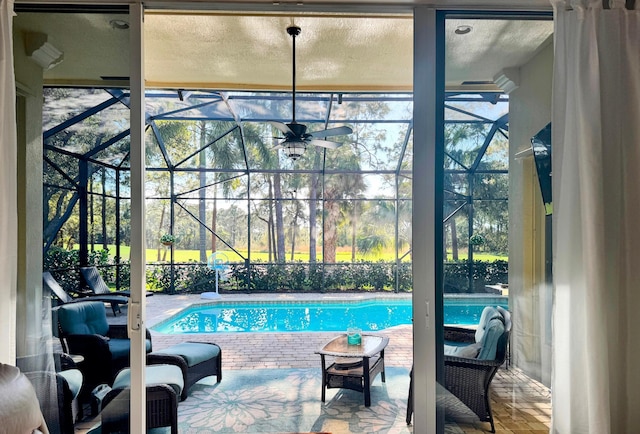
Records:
x=520, y=404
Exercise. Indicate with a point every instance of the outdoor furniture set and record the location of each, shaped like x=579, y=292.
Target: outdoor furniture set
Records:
x=472, y=358
x=83, y=330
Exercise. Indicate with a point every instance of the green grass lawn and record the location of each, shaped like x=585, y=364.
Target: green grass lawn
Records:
x=341, y=256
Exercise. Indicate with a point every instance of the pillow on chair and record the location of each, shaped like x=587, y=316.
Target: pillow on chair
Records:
x=467, y=351
x=492, y=334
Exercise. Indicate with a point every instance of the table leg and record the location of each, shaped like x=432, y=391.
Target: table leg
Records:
x=324, y=376
x=410, y=398
x=382, y=376
x=367, y=381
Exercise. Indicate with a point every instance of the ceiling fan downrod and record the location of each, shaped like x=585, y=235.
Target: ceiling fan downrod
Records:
x=294, y=31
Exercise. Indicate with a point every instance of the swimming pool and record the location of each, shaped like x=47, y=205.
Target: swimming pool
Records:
x=369, y=315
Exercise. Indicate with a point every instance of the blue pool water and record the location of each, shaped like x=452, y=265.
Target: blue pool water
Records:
x=370, y=315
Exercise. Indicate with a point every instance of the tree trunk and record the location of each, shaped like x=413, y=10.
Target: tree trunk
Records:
x=313, y=209
x=214, y=220
x=331, y=231
x=294, y=229
x=277, y=192
x=354, y=224
x=454, y=239
x=160, y=231
x=202, y=206
x=104, y=210
x=272, y=246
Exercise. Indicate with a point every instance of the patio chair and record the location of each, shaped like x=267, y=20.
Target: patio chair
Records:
x=469, y=369
x=471, y=359
x=63, y=296
x=96, y=284
x=61, y=413
x=83, y=330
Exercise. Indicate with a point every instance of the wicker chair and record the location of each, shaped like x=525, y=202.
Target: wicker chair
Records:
x=469, y=378
x=83, y=330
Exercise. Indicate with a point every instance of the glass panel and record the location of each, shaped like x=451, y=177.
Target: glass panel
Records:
x=479, y=185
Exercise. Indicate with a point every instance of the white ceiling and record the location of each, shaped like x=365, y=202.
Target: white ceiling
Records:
x=227, y=51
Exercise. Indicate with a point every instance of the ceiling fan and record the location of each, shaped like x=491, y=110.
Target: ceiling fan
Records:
x=296, y=138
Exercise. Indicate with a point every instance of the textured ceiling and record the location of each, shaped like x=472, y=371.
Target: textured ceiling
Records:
x=226, y=51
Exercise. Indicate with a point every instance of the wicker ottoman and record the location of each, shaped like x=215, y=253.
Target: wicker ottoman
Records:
x=197, y=360
x=164, y=384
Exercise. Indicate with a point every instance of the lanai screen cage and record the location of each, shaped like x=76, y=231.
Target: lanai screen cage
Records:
x=332, y=219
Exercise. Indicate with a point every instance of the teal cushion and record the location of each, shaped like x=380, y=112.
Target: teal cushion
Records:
x=488, y=313
x=85, y=318
x=193, y=352
x=154, y=374
x=119, y=348
x=466, y=351
x=492, y=334
x=74, y=379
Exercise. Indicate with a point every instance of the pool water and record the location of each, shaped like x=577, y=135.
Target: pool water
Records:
x=370, y=315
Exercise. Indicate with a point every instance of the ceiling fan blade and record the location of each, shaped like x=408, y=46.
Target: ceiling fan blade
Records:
x=280, y=126
x=337, y=131
x=324, y=143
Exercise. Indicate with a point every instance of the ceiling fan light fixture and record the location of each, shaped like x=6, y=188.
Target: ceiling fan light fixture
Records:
x=296, y=138
x=294, y=149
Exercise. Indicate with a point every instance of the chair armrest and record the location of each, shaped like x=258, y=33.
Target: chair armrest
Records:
x=118, y=331
x=459, y=334
x=89, y=346
x=64, y=362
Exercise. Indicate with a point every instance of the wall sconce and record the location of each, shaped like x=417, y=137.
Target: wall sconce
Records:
x=41, y=51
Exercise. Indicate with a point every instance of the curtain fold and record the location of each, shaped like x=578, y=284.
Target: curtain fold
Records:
x=8, y=184
x=596, y=183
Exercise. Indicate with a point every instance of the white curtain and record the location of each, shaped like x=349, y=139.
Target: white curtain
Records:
x=596, y=222
x=8, y=194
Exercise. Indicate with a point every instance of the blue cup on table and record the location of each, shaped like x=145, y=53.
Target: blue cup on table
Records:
x=354, y=336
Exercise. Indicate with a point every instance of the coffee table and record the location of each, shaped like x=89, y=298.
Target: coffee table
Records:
x=354, y=366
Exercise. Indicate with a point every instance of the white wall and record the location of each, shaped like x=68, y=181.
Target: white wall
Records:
x=530, y=297
x=29, y=286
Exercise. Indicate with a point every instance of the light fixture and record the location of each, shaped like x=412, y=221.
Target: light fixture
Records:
x=463, y=29
x=41, y=51
x=294, y=148
x=296, y=138
x=119, y=24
